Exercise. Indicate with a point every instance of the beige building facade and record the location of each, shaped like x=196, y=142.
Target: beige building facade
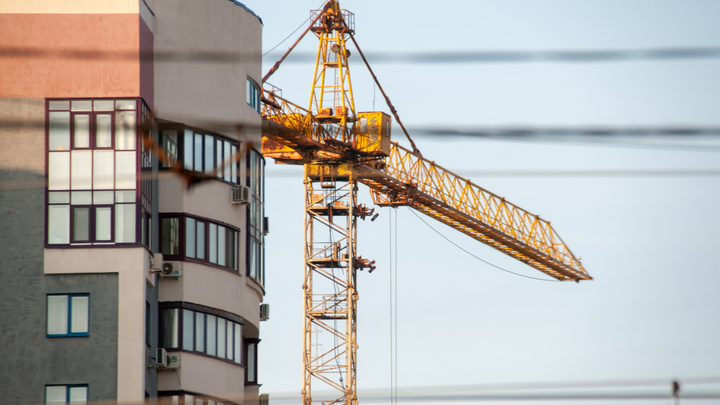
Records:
x=131, y=201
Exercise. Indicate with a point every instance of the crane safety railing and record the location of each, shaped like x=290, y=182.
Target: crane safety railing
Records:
x=300, y=121
x=470, y=199
x=292, y=116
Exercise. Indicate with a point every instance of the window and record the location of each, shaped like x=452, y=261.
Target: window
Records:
x=200, y=151
x=194, y=399
x=92, y=173
x=256, y=218
x=148, y=323
x=64, y=394
x=251, y=366
x=68, y=315
x=200, y=332
x=252, y=95
x=204, y=241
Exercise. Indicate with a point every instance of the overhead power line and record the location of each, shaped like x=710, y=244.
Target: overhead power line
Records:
x=602, y=136
x=39, y=182
x=626, y=137
x=595, y=131
x=630, y=389
x=556, y=56
x=437, y=57
x=519, y=132
x=562, y=173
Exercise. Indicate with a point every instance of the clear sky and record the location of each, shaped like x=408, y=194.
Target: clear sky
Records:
x=651, y=243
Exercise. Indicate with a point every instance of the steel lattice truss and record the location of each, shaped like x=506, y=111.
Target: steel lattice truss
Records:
x=329, y=342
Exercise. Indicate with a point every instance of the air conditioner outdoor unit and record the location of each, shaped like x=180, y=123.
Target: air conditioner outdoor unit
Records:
x=171, y=269
x=156, y=263
x=165, y=360
x=241, y=195
x=264, y=312
x=264, y=399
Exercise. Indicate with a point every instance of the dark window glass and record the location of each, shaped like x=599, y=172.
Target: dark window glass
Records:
x=170, y=325
x=200, y=251
x=188, y=330
x=199, y=332
x=198, y=153
x=81, y=224
x=170, y=236
x=209, y=154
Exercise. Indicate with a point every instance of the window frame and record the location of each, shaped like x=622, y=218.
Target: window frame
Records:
x=199, y=161
x=181, y=397
x=251, y=345
x=92, y=224
x=253, y=95
x=231, y=260
x=142, y=217
x=232, y=321
x=255, y=180
x=67, y=392
x=69, y=297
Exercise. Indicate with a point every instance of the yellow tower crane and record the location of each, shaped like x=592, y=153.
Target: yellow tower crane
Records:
x=340, y=148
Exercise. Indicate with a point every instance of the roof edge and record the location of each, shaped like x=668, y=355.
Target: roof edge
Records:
x=247, y=9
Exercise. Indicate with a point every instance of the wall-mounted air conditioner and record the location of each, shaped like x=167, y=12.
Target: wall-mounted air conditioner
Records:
x=241, y=194
x=156, y=262
x=171, y=269
x=264, y=312
x=165, y=360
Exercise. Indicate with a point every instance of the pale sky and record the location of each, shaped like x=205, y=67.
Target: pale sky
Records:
x=651, y=243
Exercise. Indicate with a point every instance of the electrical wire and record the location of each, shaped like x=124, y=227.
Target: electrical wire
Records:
x=292, y=33
x=478, y=258
x=530, y=56
x=562, y=173
x=604, y=136
x=392, y=315
x=396, y=306
x=538, y=391
x=389, y=57
x=286, y=38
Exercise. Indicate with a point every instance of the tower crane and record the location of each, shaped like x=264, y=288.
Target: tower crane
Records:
x=341, y=148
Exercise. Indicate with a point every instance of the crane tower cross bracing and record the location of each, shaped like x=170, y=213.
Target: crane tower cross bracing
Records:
x=341, y=148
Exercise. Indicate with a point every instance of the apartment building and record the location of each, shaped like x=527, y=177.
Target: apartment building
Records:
x=131, y=201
